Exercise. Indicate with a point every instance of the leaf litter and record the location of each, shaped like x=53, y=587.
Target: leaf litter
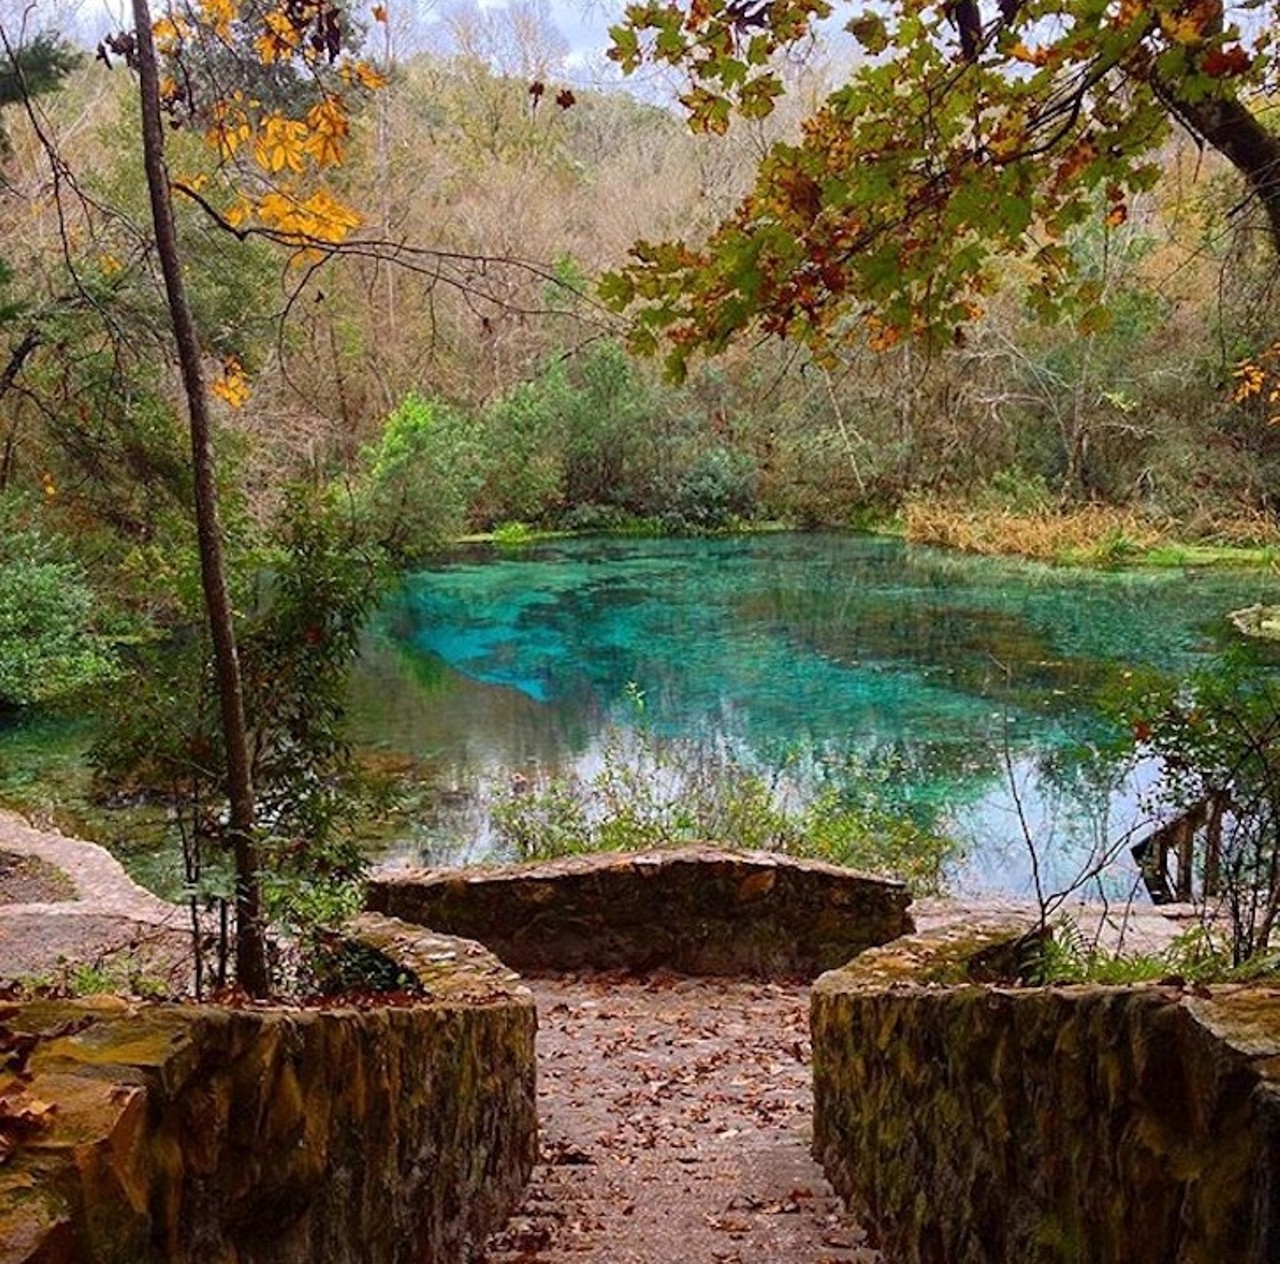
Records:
x=676, y=1123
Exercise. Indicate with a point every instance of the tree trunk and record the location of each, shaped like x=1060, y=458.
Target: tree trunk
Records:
x=251, y=959
x=1241, y=138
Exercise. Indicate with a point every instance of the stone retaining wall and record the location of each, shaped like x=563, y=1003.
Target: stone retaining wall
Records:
x=980, y=1124
x=392, y=1133
x=700, y=910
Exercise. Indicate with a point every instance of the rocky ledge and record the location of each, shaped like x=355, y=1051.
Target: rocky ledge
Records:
x=383, y=1132
x=980, y=1123
x=699, y=910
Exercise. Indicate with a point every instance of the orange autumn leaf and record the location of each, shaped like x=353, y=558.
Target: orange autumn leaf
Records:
x=1031, y=56
x=327, y=133
x=368, y=77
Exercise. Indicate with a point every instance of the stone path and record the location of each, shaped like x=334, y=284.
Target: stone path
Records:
x=675, y=1117
x=675, y=1111
x=1132, y=929
x=109, y=922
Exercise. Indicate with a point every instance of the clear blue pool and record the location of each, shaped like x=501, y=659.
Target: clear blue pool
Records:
x=976, y=681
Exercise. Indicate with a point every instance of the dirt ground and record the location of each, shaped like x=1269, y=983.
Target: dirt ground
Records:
x=30, y=880
x=675, y=1118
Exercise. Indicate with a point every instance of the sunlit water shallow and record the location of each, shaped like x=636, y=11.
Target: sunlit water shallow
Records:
x=972, y=684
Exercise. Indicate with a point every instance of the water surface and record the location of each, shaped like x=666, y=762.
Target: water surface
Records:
x=976, y=682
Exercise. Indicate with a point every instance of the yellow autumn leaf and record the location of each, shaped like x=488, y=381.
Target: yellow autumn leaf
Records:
x=229, y=128
x=279, y=41
x=270, y=49
x=328, y=219
x=279, y=144
x=231, y=386
x=224, y=141
x=373, y=80
x=217, y=15
x=327, y=150
x=319, y=217
x=1249, y=381
x=1182, y=30
x=327, y=129
x=166, y=33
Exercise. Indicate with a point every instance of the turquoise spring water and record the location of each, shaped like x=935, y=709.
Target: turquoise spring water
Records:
x=973, y=685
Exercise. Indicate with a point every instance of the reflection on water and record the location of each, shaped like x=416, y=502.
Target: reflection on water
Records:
x=978, y=678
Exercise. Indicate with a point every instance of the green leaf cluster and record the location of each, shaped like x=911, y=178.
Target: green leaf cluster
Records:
x=939, y=156
x=52, y=643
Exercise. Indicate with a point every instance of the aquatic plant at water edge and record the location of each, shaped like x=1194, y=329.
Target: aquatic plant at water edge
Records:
x=655, y=792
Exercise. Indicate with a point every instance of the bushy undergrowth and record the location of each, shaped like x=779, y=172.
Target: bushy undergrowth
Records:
x=318, y=583
x=1198, y=955
x=52, y=642
x=653, y=792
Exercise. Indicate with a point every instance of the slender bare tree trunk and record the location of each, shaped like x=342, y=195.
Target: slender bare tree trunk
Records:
x=251, y=958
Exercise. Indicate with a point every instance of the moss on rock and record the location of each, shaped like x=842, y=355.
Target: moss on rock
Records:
x=343, y=1135
x=979, y=1124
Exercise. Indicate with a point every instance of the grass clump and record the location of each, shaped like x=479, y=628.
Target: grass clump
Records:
x=1092, y=534
x=1067, y=955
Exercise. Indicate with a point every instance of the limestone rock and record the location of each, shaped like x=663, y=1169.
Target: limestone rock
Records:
x=700, y=910
x=981, y=1124
x=280, y=1136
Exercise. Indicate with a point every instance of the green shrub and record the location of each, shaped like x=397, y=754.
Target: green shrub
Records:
x=420, y=477
x=718, y=489
x=51, y=646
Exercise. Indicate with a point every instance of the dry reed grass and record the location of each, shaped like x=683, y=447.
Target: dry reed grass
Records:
x=1088, y=534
